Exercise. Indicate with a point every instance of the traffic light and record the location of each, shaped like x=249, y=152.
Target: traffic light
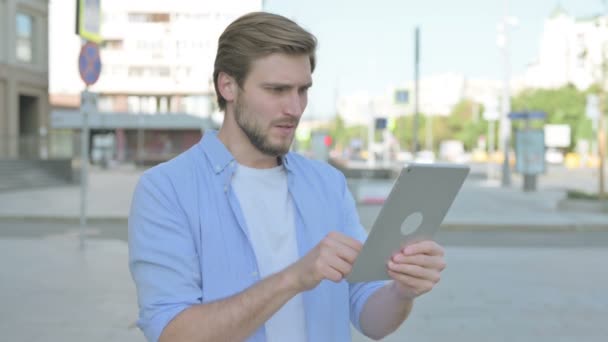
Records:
x=327, y=140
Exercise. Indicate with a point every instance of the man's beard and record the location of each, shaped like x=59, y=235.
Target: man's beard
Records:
x=256, y=134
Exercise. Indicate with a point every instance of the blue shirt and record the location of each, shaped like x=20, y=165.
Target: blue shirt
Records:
x=189, y=244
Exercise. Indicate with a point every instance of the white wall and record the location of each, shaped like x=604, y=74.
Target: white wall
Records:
x=155, y=58
x=563, y=42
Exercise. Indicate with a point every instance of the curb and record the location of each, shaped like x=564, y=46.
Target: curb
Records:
x=64, y=219
x=524, y=228
x=446, y=226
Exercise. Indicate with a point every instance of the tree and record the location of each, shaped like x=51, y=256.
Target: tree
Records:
x=403, y=131
x=343, y=135
x=464, y=123
x=565, y=105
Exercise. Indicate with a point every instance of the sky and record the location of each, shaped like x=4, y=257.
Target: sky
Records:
x=369, y=45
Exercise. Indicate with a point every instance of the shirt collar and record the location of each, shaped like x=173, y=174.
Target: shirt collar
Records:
x=217, y=154
x=220, y=157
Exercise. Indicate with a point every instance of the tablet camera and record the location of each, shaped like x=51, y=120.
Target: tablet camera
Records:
x=411, y=223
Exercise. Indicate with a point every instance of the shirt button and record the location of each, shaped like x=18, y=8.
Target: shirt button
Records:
x=232, y=164
x=218, y=168
x=254, y=274
x=225, y=188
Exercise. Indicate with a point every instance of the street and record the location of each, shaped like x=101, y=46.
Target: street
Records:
x=498, y=286
x=514, y=294
x=13, y=229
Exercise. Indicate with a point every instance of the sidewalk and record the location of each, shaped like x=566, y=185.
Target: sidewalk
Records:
x=53, y=291
x=481, y=204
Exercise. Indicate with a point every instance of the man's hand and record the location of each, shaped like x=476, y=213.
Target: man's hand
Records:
x=416, y=269
x=332, y=259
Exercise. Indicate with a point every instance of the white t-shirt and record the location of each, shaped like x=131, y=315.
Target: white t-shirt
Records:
x=269, y=213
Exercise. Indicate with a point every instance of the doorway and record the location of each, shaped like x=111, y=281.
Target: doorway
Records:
x=28, y=138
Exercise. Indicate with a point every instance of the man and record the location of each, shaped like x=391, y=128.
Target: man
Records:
x=239, y=239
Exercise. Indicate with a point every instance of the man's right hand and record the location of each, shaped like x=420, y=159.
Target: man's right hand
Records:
x=332, y=259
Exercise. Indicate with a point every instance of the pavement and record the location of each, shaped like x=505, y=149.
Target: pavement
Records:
x=53, y=290
x=481, y=204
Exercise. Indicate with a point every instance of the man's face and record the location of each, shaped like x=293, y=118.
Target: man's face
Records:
x=272, y=100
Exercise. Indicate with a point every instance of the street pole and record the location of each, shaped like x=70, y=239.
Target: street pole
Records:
x=86, y=104
x=429, y=131
x=371, y=136
x=490, y=148
x=601, y=141
x=416, y=88
x=505, y=123
x=140, y=139
x=601, y=130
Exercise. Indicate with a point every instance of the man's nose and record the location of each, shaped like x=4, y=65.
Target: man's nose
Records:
x=295, y=104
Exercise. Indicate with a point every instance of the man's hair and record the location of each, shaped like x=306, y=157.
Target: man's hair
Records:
x=256, y=35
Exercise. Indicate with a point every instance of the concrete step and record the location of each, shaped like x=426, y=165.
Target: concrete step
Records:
x=25, y=174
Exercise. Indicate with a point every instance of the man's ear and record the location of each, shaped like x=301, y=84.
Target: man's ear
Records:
x=227, y=86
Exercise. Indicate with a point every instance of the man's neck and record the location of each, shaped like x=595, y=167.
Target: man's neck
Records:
x=241, y=148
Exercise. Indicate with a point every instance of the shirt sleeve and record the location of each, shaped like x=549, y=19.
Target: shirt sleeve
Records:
x=162, y=258
x=359, y=293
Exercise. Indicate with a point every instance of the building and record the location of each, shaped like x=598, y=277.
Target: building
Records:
x=157, y=55
x=157, y=60
x=24, y=103
x=571, y=52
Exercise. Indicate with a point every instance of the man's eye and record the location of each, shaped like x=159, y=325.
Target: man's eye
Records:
x=278, y=89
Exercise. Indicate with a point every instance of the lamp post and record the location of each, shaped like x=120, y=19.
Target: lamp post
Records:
x=601, y=129
x=504, y=139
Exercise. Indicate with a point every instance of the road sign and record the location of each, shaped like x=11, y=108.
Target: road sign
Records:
x=527, y=115
x=401, y=96
x=89, y=63
x=88, y=20
x=490, y=112
x=557, y=135
x=380, y=123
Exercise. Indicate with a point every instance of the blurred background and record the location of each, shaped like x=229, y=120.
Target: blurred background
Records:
x=94, y=92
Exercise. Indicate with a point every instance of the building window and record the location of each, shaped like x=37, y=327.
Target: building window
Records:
x=160, y=71
x=112, y=44
x=138, y=17
x=25, y=41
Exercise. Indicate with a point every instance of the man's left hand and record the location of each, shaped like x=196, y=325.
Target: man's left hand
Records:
x=416, y=269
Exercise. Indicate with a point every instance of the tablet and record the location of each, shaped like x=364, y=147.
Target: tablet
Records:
x=413, y=211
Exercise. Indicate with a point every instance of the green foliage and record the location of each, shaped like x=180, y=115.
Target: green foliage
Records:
x=343, y=135
x=466, y=124
x=403, y=131
x=565, y=105
x=575, y=194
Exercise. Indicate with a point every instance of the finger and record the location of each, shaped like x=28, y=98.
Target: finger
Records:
x=328, y=259
x=415, y=285
x=331, y=273
x=415, y=271
x=341, y=266
x=428, y=247
x=344, y=251
x=422, y=260
x=346, y=240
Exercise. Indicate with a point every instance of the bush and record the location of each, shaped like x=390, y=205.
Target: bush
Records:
x=576, y=194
